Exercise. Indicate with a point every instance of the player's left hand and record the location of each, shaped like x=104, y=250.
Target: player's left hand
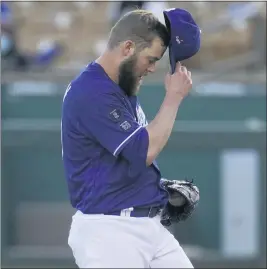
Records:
x=183, y=198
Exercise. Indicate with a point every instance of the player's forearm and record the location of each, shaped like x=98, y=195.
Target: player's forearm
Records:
x=159, y=129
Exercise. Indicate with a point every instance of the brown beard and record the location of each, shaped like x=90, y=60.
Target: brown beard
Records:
x=127, y=78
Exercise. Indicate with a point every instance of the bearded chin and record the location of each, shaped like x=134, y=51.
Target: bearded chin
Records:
x=127, y=79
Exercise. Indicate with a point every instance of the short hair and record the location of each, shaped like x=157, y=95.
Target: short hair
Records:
x=141, y=27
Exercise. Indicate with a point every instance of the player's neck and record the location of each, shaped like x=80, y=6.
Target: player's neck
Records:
x=108, y=63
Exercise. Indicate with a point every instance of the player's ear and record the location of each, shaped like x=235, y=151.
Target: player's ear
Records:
x=128, y=48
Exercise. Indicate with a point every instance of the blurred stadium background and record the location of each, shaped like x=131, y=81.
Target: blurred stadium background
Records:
x=219, y=138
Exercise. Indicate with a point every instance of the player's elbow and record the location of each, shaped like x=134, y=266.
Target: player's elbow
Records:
x=151, y=156
x=148, y=162
x=152, y=151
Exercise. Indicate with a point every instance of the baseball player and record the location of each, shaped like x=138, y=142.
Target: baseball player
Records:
x=109, y=149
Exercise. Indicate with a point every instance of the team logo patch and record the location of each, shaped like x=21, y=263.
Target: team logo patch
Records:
x=125, y=125
x=115, y=115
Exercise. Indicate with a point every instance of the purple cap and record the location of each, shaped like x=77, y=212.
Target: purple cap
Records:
x=184, y=35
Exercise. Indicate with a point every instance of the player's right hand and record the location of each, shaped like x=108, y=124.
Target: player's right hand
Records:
x=179, y=83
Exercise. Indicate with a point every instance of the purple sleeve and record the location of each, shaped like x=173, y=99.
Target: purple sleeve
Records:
x=136, y=150
x=107, y=119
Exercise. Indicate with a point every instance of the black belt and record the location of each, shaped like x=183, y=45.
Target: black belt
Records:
x=138, y=212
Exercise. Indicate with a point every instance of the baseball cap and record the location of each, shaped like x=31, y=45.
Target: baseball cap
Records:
x=184, y=35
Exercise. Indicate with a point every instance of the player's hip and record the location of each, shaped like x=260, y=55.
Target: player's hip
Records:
x=97, y=238
x=112, y=227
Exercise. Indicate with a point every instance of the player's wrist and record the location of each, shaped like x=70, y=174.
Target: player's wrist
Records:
x=173, y=98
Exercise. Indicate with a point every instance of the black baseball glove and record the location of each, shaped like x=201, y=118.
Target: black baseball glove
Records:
x=183, y=198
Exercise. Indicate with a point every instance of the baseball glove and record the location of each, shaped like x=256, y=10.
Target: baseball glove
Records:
x=183, y=198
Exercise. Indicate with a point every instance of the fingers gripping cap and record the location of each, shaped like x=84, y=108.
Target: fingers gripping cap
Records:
x=184, y=35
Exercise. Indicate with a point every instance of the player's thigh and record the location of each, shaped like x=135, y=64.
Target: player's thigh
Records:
x=169, y=253
x=95, y=245
x=106, y=255
x=176, y=258
x=109, y=258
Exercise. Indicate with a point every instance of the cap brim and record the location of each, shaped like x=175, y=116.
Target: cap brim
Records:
x=171, y=55
x=172, y=60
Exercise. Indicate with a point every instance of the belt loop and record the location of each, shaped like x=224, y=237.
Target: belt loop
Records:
x=149, y=211
x=127, y=212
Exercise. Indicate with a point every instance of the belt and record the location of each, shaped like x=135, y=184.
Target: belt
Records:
x=138, y=212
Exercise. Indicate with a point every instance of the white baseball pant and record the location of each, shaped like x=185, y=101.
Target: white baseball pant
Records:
x=105, y=241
